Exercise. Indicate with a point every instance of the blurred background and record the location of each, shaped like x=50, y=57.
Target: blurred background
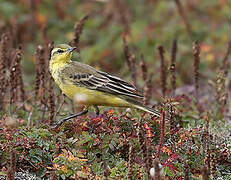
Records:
x=149, y=23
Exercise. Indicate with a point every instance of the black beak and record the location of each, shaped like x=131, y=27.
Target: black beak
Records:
x=71, y=49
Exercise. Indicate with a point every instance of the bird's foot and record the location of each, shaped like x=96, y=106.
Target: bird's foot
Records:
x=60, y=122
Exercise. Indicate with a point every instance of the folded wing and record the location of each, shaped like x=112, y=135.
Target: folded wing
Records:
x=105, y=82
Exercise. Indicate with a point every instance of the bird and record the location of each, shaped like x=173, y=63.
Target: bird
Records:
x=88, y=86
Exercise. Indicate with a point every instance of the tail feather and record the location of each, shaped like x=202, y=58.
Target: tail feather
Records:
x=139, y=105
x=149, y=110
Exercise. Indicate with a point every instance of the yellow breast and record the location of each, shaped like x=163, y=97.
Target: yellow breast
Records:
x=84, y=96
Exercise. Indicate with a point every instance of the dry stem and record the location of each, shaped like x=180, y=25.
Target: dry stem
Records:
x=163, y=70
x=183, y=15
x=130, y=59
x=78, y=30
x=196, y=54
x=173, y=67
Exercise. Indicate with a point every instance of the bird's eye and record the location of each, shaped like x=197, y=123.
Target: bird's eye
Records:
x=60, y=51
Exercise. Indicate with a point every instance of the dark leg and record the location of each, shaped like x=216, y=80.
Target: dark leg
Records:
x=96, y=110
x=60, y=122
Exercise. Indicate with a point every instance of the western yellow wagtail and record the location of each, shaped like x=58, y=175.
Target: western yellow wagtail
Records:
x=90, y=87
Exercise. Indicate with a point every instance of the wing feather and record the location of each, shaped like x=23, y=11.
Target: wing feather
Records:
x=86, y=76
x=105, y=83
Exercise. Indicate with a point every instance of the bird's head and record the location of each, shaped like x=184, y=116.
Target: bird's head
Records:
x=62, y=53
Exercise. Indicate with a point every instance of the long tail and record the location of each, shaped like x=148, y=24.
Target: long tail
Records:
x=138, y=105
x=149, y=110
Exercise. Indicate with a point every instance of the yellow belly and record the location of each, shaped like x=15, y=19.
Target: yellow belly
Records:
x=84, y=96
